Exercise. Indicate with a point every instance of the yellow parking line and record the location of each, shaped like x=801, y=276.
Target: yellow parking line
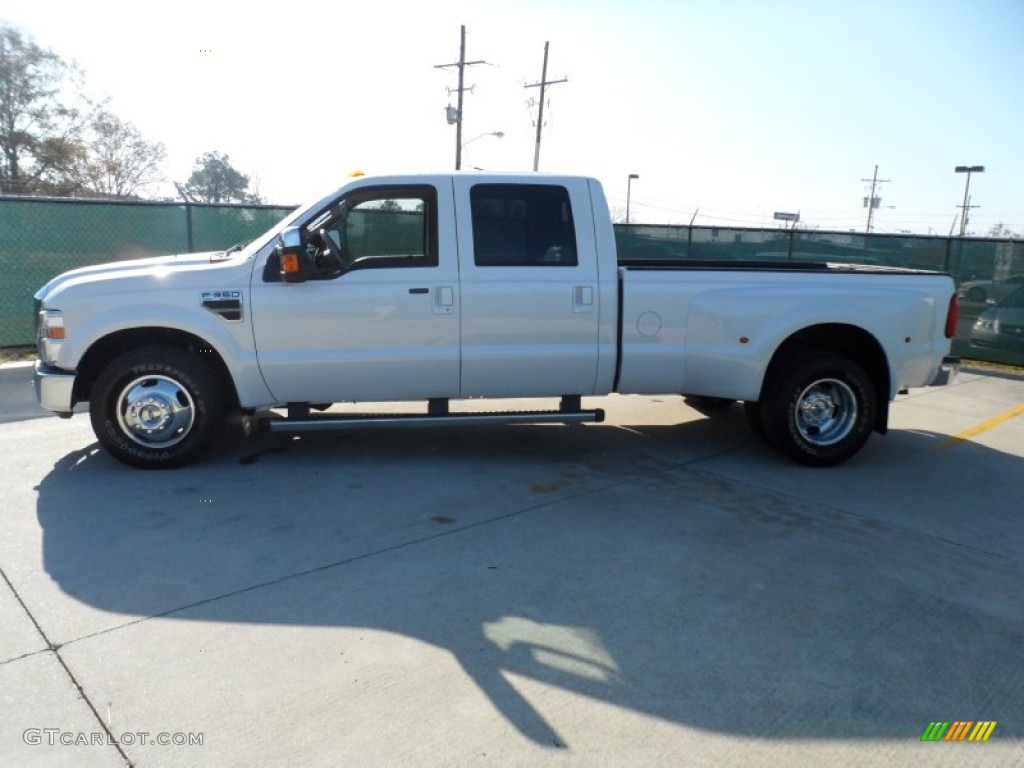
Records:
x=977, y=429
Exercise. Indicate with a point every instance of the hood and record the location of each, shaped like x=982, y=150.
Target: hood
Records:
x=152, y=265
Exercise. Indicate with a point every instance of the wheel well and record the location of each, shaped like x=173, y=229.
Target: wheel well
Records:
x=847, y=341
x=109, y=347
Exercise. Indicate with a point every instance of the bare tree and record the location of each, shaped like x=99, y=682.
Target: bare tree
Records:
x=1001, y=230
x=118, y=161
x=55, y=139
x=41, y=115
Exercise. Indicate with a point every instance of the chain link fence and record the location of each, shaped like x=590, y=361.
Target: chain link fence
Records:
x=42, y=237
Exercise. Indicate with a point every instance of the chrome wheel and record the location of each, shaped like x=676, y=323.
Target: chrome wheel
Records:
x=826, y=412
x=819, y=408
x=155, y=411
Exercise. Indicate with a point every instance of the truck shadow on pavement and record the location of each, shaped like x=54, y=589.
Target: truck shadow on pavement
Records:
x=723, y=589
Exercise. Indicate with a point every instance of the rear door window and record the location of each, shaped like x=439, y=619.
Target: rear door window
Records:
x=522, y=225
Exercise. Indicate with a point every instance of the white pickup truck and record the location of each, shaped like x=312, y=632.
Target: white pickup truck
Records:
x=443, y=287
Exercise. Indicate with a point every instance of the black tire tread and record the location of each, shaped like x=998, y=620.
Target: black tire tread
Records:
x=197, y=374
x=776, y=407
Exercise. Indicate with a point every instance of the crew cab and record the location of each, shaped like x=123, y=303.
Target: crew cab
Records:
x=437, y=288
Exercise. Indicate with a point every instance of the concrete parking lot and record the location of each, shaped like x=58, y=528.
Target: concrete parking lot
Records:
x=657, y=590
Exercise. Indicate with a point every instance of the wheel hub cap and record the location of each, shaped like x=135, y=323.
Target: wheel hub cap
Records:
x=817, y=409
x=155, y=411
x=826, y=412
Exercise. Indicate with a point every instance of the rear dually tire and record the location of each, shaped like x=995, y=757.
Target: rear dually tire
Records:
x=820, y=410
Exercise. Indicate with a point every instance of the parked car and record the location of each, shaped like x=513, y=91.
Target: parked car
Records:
x=1001, y=326
x=980, y=291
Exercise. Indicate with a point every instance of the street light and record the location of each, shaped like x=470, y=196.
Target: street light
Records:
x=968, y=169
x=498, y=134
x=629, y=191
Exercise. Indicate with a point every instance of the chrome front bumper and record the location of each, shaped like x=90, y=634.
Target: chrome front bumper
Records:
x=54, y=389
x=947, y=371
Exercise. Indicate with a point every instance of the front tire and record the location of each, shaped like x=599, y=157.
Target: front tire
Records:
x=157, y=407
x=820, y=411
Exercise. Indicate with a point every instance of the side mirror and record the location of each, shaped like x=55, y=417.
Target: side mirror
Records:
x=292, y=255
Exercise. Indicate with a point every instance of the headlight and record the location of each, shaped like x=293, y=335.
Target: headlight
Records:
x=49, y=334
x=51, y=325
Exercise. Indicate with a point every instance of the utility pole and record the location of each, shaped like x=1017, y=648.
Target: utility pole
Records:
x=461, y=64
x=872, y=202
x=629, y=191
x=968, y=169
x=543, y=84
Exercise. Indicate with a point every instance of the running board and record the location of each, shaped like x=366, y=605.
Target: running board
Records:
x=372, y=421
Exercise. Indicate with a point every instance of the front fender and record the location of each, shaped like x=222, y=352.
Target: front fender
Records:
x=232, y=341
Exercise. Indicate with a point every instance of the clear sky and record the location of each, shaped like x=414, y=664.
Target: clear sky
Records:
x=737, y=107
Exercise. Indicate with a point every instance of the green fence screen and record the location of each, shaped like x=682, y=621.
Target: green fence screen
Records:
x=42, y=237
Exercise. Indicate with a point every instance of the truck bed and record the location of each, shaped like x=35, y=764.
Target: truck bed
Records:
x=768, y=266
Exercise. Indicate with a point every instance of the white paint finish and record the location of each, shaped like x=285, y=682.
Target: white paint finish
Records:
x=706, y=314
x=164, y=292
x=361, y=336
x=523, y=331
x=653, y=358
x=364, y=335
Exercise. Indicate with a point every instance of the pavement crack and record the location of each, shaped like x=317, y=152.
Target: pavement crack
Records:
x=49, y=646
x=55, y=648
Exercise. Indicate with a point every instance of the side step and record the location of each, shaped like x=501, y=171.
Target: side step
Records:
x=341, y=421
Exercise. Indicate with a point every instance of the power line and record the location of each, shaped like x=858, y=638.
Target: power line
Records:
x=461, y=64
x=543, y=84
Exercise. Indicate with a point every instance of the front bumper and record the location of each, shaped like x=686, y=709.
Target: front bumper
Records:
x=54, y=389
x=948, y=371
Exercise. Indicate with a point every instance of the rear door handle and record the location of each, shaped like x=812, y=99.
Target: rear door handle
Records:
x=419, y=290
x=583, y=299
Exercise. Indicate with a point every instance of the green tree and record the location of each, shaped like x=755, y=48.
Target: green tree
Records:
x=215, y=180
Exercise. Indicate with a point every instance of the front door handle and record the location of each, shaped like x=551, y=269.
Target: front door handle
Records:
x=444, y=299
